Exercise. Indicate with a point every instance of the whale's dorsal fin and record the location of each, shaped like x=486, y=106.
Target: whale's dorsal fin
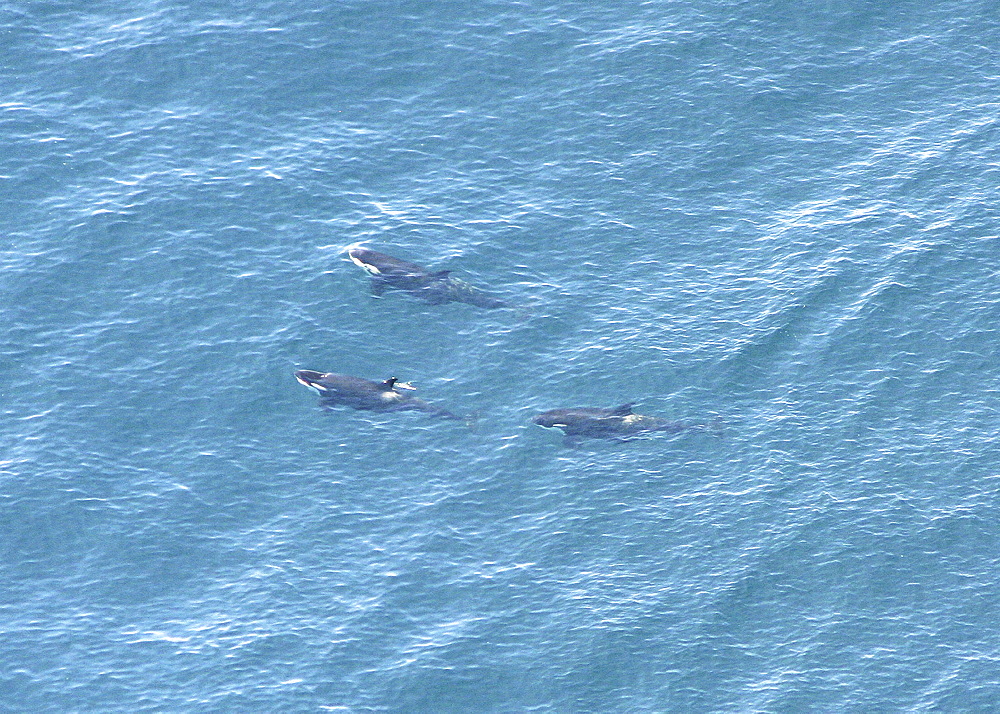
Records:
x=393, y=383
x=441, y=274
x=623, y=410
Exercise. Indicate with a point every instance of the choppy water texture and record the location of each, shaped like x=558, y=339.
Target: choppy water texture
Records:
x=781, y=214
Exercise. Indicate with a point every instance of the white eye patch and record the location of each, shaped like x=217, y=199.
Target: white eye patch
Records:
x=361, y=264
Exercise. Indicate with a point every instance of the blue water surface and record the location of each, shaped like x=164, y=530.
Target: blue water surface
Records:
x=782, y=216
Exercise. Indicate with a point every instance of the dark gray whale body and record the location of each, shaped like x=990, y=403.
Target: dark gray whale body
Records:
x=436, y=288
x=341, y=390
x=618, y=423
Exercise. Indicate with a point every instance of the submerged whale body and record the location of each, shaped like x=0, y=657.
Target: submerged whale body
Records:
x=364, y=394
x=436, y=288
x=618, y=423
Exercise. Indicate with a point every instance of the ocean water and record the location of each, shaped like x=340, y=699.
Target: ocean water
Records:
x=781, y=215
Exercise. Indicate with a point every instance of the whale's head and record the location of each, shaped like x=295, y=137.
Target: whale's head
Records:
x=367, y=260
x=311, y=379
x=554, y=419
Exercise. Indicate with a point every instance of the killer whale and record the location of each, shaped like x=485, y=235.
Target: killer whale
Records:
x=366, y=395
x=617, y=423
x=434, y=287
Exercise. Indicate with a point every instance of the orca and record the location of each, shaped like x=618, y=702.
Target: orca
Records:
x=366, y=395
x=434, y=287
x=619, y=423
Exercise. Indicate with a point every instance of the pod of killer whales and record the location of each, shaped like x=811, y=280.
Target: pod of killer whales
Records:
x=437, y=288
